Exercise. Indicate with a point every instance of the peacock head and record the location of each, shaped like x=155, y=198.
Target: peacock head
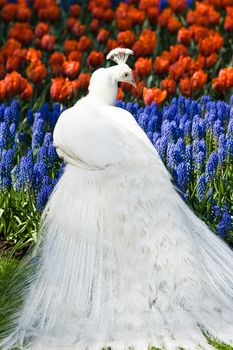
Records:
x=122, y=72
x=104, y=81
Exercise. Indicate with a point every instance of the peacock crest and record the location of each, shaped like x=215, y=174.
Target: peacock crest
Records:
x=119, y=55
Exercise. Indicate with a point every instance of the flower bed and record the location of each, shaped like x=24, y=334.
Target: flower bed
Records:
x=194, y=139
x=181, y=49
x=177, y=49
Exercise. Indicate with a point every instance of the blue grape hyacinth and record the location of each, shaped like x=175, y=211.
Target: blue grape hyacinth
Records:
x=201, y=187
x=182, y=176
x=193, y=139
x=225, y=224
x=211, y=167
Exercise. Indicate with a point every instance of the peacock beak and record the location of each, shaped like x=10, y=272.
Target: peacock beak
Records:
x=133, y=82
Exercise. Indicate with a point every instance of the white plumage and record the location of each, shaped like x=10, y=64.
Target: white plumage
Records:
x=123, y=261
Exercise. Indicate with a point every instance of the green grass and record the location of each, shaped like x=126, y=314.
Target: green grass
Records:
x=220, y=346
x=8, y=271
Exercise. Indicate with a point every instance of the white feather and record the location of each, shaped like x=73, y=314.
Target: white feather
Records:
x=119, y=55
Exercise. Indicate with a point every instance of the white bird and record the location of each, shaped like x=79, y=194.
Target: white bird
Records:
x=123, y=261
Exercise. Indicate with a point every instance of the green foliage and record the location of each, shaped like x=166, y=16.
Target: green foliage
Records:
x=219, y=345
x=8, y=268
x=19, y=219
x=221, y=186
x=13, y=283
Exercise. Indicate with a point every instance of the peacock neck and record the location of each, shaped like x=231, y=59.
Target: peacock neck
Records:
x=104, y=96
x=103, y=86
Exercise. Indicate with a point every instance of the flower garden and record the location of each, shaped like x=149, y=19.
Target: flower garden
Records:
x=183, y=67
x=184, y=72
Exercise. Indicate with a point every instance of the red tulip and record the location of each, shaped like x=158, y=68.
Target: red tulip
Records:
x=154, y=95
